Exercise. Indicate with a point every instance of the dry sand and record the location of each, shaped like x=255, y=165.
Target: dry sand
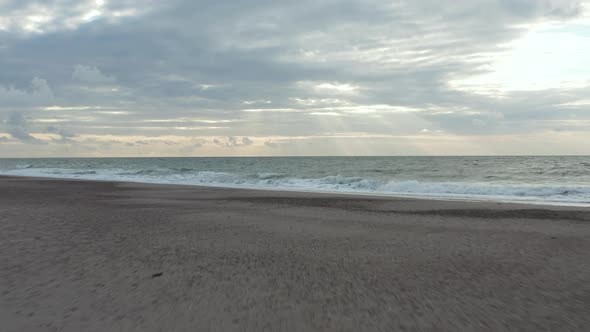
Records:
x=102, y=256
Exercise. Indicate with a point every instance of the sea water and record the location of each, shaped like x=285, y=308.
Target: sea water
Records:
x=554, y=180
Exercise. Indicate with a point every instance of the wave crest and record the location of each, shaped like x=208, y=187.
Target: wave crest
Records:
x=331, y=183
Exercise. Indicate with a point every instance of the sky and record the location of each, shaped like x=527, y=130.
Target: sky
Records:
x=106, y=78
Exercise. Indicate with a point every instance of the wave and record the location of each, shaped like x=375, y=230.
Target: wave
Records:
x=84, y=172
x=23, y=166
x=266, y=176
x=332, y=183
x=140, y=172
x=184, y=169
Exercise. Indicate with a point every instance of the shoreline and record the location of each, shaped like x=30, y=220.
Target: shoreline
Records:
x=360, y=194
x=81, y=255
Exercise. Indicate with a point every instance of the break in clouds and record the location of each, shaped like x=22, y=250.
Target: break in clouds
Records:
x=110, y=78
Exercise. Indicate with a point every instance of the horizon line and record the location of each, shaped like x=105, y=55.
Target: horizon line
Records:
x=309, y=156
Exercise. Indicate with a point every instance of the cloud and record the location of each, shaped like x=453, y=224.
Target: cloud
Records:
x=37, y=93
x=280, y=144
x=270, y=144
x=247, y=141
x=36, y=17
x=88, y=74
x=64, y=135
x=17, y=126
x=232, y=142
x=383, y=67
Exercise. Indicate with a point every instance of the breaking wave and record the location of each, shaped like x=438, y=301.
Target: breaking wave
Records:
x=333, y=183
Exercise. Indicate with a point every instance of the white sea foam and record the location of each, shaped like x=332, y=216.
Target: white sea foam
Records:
x=579, y=195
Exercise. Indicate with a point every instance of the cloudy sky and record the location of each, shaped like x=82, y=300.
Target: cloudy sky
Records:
x=309, y=77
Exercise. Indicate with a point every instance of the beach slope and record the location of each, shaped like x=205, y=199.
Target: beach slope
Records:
x=105, y=256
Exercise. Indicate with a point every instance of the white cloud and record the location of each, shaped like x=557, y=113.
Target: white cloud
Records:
x=337, y=87
x=326, y=113
x=40, y=17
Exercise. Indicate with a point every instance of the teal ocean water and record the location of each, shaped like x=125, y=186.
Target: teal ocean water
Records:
x=556, y=180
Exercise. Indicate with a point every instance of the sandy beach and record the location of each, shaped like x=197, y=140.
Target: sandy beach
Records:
x=105, y=256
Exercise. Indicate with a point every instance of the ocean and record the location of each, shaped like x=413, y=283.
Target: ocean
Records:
x=539, y=179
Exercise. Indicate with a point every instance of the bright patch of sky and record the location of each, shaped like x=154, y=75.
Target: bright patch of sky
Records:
x=547, y=57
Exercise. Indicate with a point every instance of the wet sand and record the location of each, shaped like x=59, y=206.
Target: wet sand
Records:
x=104, y=256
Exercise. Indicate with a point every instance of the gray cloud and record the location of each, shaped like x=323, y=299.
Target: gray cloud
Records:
x=232, y=141
x=303, y=60
x=88, y=74
x=37, y=93
x=16, y=125
x=247, y=141
x=64, y=135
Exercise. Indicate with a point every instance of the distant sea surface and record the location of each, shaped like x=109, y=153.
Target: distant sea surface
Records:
x=553, y=180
